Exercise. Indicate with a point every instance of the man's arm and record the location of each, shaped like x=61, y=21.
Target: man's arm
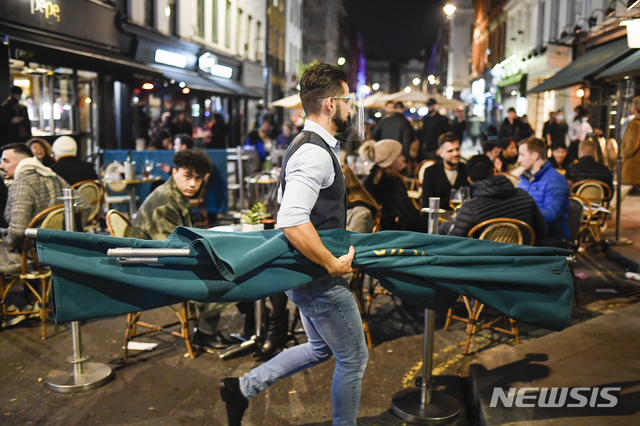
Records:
x=555, y=197
x=306, y=240
x=21, y=211
x=164, y=220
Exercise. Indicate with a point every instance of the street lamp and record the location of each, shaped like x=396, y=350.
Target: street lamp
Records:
x=341, y=60
x=449, y=10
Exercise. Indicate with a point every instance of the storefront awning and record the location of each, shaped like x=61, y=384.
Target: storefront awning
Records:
x=193, y=80
x=590, y=63
x=236, y=87
x=91, y=58
x=629, y=66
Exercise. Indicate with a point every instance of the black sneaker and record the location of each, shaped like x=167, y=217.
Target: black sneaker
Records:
x=235, y=402
x=214, y=341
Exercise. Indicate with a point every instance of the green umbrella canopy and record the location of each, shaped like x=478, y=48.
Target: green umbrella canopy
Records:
x=530, y=284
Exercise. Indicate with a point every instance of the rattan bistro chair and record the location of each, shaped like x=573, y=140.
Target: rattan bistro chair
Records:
x=31, y=269
x=93, y=190
x=119, y=226
x=504, y=230
x=599, y=195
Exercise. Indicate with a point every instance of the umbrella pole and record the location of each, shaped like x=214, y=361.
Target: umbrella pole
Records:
x=425, y=405
x=85, y=376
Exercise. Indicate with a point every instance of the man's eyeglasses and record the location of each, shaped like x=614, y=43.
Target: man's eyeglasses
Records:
x=349, y=99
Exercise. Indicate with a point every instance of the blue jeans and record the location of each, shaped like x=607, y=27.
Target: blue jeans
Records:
x=331, y=319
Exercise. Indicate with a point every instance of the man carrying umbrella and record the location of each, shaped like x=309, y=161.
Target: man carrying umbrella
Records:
x=313, y=198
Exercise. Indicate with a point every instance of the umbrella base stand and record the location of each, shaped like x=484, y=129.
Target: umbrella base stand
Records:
x=255, y=342
x=619, y=242
x=93, y=376
x=407, y=404
x=248, y=345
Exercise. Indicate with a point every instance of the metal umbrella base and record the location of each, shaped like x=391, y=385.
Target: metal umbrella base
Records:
x=93, y=376
x=407, y=404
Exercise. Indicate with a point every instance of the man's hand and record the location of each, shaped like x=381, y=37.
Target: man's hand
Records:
x=306, y=240
x=342, y=264
x=16, y=120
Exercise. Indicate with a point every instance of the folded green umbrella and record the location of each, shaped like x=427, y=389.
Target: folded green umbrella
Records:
x=529, y=284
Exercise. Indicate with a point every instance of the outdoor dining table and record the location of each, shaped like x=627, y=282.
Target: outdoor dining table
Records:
x=130, y=186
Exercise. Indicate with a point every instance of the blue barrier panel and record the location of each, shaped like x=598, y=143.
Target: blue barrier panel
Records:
x=216, y=193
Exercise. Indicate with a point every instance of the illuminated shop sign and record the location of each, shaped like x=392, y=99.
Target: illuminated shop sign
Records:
x=47, y=8
x=222, y=71
x=208, y=62
x=170, y=58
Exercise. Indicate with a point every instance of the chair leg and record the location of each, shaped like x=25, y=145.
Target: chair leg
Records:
x=448, y=321
x=471, y=325
x=44, y=288
x=130, y=331
x=514, y=330
x=184, y=324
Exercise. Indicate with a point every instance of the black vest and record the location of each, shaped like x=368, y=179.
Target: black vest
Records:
x=330, y=211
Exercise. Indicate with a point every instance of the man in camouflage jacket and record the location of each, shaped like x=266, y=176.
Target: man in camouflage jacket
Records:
x=167, y=208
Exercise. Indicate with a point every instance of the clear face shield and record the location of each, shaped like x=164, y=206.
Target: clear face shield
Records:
x=356, y=103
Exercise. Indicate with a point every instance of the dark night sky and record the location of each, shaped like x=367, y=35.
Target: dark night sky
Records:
x=396, y=29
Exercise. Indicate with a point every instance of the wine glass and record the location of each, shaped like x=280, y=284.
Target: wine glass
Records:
x=148, y=166
x=457, y=197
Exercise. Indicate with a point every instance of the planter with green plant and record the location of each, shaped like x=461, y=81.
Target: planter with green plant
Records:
x=251, y=219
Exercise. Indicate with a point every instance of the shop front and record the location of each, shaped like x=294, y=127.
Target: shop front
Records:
x=204, y=84
x=67, y=66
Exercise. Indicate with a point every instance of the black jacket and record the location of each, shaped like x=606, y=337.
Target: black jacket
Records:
x=9, y=132
x=516, y=131
x=497, y=197
x=391, y=193
x=398, y=128
x=73, y=170
x=432, y=127
x=436, y=184
x=588, y=168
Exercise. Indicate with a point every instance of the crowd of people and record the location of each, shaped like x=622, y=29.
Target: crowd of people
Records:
x=517, y=175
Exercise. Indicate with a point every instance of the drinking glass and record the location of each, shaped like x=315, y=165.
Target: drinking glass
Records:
x=148, y=166
x=457, y=197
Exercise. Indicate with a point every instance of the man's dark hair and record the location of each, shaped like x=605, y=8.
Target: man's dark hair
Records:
x=558, y=145
x=399, y=105
x=15, y=90
x=197, y=161
x=388, y=102
x=447, y=137
x=479, y=167
x=489, y=146
x=19, y=148
x=505, y=142
x=185, y=139
x=320, y=81
x=512, y=109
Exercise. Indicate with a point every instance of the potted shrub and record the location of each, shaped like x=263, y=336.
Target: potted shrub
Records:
x=251, y=219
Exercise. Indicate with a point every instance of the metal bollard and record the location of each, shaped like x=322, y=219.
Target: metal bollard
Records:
x=425, y=405
x=85, y=375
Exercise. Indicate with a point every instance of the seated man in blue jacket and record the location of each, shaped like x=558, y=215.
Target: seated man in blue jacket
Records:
x=494, y=196
x=548, y=188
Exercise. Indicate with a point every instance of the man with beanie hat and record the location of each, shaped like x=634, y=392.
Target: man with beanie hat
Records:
x=67, y=165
